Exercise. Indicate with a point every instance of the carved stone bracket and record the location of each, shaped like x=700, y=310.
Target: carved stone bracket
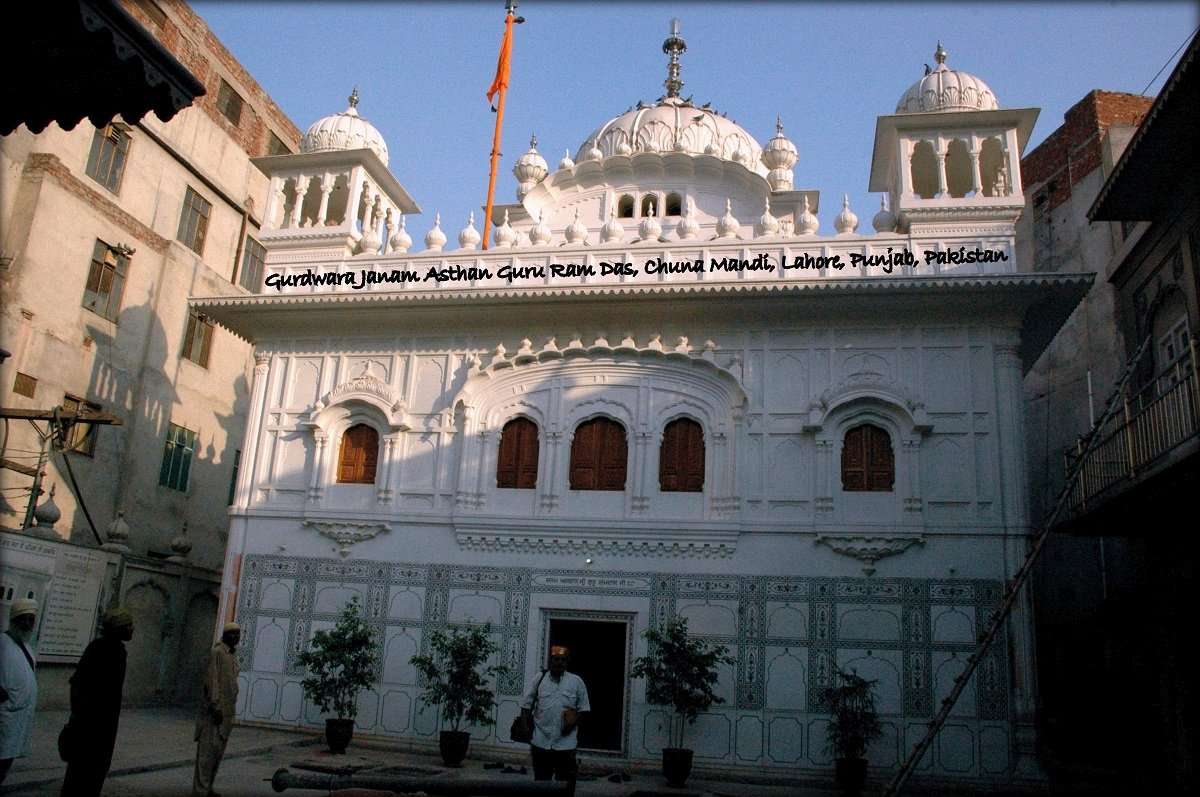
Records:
x=347, y=532
x=869, y=548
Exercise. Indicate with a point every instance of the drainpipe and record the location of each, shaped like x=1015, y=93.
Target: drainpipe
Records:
x=237, y=254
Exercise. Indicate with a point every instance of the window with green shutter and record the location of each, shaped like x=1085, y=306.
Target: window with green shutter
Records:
x=177, y=458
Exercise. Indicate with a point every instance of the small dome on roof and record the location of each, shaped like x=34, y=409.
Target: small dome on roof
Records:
x=946, y=89
x=345, y=130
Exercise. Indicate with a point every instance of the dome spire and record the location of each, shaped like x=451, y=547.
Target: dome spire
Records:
x=673, y=46
x=353, y=98
x=939, y=55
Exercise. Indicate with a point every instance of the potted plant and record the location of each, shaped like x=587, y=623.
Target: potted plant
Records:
x=680, y=672
x=340, y=663
x=855, y=723
x=454, y=676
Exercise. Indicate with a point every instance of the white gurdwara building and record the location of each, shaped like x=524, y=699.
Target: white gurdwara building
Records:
x=663, y=390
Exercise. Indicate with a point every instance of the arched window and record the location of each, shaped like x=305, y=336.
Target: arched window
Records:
x=360, y=452
x=674, y=205
x=625, y=207
x=649, y=206
x=867, y=461
x=598, y=455
x=517, y=462
x=924, y=171
x=960, y=177
x=681, y=457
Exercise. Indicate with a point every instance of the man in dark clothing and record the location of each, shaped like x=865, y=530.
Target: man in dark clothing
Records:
x=96, y=689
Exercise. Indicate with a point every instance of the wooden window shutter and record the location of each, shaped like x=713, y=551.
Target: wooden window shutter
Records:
x=881, y=465
x=681, y=457
x=598, y=456
x=867, y=460
x=359, y=455
x=517, y=461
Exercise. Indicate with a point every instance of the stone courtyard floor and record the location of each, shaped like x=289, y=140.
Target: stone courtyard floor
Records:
x=155, y=755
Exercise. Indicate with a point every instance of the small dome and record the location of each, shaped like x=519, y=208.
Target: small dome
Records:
x=846, y=222
x=946, y=89
x=577, y=231
x=345, y=130
x=806, y=223
x=400, y=240
x=539, y=233
x=435, y=239
x=612, y=229
x=885, y=220
x=530, y=169
x=468, y=237
x=688, y=228
x=566, y=162
x=728, y=225
x=649, y=229
x=767, y=224
x=505, y=235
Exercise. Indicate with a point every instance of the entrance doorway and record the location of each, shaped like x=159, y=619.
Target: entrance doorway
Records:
x=598, y=656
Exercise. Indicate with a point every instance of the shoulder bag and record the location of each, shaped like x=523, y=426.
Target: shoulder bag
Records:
x=521, y=730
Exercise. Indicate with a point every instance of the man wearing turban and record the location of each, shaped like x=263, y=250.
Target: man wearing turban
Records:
x=18, y=684
x=96, y=689
x=216, y=710
x=555, y=703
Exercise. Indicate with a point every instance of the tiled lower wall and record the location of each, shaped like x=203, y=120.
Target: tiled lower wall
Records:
x=912, y=636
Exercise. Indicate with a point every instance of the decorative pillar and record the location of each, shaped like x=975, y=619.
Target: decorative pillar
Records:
x=640, y=499
x=327, y=181
x=383, y=489
x=298, y=208
x=275, y=203
x=466, y=458
x=257, y=411
x=911, y=449
x=904, y=154
x=940, y=154
x=315, y=488
x=976, y=179
x=482, y=458
x=549, y=497
x=823, y=500
x=1017, y=537
x=1012, y=160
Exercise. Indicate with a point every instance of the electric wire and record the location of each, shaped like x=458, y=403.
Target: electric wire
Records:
x=1169, y=60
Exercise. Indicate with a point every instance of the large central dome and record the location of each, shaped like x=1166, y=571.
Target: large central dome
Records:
x=674, y=125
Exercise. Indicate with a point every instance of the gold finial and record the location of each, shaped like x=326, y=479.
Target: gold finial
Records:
x=354, y=97
x=940, y=53
x=673, y=46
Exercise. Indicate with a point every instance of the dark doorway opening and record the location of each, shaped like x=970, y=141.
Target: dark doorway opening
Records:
x=598, y=657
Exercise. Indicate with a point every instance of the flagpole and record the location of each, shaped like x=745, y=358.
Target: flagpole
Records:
x=510, y=5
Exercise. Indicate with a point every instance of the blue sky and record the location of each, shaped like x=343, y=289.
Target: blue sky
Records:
x=828, y=69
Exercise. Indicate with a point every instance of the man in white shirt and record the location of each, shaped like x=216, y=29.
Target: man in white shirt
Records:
x=18, y=684
x=556, y=701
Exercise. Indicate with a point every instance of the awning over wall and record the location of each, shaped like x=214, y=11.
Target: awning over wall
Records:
x=71, y=59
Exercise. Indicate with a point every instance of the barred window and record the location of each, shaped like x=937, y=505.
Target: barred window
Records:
x=193, y=222
x=82, y=437
x=177, y=458
x=598, y=455
x=230, y=103
x=106, y=161
x=867, y=461
x=359, y=454
x=253, y=259
x=106, y=281
x=197, y=339
x=681, y=457
x=517, y=462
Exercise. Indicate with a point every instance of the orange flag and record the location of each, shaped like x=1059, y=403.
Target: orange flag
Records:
x=502, y=65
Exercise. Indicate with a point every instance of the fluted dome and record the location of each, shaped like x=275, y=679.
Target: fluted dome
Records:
x=674, y=125
x=345, y=130
x=946, y=89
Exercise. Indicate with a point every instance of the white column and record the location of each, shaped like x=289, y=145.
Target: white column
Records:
x=940, y=153
x=904, y=153
x=326, y=189
x=1013, y=159
x=257, y=411
x=642, y=485
x=298, y=208
x=315, y=487
x=976, y=179
x=911, y=449
x=1017, y=537
x=383, y=489
x=823, y=500
x=275, y=202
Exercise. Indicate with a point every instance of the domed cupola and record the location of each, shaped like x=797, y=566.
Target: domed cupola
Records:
x=530, y=169
x=674, y=124
x=345, y=130
x=779, y=155
x=946, y=89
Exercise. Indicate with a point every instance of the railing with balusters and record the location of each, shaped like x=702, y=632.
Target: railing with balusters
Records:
x=1152, y=421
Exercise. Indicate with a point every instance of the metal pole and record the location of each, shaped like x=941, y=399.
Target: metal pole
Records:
x=36, y=490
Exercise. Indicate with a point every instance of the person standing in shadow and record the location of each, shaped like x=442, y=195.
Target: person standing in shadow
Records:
x=216, y=710
x=555, y=704
x=18, y=684
x=96, y=690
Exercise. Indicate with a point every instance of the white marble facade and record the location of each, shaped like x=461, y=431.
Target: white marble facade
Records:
x=772, y=557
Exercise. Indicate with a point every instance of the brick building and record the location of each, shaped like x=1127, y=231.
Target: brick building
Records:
x=105, y=233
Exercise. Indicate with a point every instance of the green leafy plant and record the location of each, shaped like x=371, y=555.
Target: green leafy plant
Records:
x=341, y=662
x=454, y=675
x=680, y=672
x=855, y=721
